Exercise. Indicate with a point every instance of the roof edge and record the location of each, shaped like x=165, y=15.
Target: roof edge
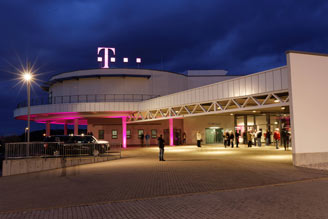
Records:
x=306, y=53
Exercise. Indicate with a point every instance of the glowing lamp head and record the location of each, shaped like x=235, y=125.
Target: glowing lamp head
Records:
x=27, y=76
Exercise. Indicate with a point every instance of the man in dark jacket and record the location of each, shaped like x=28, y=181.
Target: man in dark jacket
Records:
x=237, y=138
x=231, y=138
x=161, y=148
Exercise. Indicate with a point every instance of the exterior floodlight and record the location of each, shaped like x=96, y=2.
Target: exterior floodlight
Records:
x=125, y=60
x=27, y=76
x=138, y=60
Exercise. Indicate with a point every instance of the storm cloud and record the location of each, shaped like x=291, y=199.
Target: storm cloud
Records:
x=239, y=36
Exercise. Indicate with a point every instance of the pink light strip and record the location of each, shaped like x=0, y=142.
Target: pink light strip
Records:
x=171, y=132
x=124, y=131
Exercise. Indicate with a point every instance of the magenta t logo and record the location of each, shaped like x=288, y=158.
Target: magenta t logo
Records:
x=105, y=60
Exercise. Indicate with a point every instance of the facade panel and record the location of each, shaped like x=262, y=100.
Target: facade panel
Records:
x=236, y=87
x=284, y=78
x=225, y=90
x=242, y=83
x=248, y=85
x=230, y=84
x=220, y=91
x=277, y=79
x=262, y=87
x=269, y=81
x=255, y=84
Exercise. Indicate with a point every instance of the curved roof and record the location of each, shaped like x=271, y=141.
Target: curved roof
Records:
x=113, y=72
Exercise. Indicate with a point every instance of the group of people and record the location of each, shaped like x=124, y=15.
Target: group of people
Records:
x=284, y=136
x=229, y=139
x=255, y=138
x=144, y=137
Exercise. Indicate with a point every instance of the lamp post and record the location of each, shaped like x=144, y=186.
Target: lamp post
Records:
x=27, y=76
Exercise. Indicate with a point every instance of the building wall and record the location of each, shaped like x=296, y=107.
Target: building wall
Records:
x=198, y=81
x=94, y=125
x=262, y=82
x=160, y=82
x=200, y=123
x=308, y=91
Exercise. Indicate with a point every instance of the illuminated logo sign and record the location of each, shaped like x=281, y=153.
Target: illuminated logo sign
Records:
x=105, y=59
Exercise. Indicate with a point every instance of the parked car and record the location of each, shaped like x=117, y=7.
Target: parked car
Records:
x=71, y=145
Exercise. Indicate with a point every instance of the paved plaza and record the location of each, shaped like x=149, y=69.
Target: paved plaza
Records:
x=207, y=182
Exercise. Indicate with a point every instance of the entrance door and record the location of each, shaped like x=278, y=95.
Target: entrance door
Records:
x=214, y=136
x=176, y=136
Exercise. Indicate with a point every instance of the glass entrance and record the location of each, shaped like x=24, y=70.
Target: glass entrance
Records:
x=214, y=135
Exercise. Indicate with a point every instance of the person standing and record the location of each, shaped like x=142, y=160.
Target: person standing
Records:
x=237, y=138
x=267, y=137
x=259, y=137
x=161, y=148
x=245, y=137
x=184, y=138
x=199, y=139
x=231, y=137
x=226, y=139
x=284, y=138
x=254, y=135
x=276, y=136
x=249, y=138
x=142, y=136
x=147, y=137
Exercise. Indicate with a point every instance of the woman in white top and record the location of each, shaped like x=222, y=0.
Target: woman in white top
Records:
x=199, y=139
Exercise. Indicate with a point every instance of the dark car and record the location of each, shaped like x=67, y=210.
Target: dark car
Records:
x=74, y=145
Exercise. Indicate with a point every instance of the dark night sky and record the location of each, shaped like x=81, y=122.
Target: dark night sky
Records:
x=176, y=35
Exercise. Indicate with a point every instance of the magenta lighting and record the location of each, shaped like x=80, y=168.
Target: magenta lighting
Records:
x=171, y=132
x=124, y=131
x=105, y=59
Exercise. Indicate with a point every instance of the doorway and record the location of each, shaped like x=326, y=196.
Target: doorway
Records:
x=176, y=136
x=214, y=135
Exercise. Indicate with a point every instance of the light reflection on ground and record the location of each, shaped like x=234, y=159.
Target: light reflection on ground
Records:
x=243, y=152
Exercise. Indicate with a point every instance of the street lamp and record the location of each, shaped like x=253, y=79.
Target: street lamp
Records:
x=28, y=77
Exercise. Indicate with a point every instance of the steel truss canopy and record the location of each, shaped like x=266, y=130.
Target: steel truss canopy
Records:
x=229, y=105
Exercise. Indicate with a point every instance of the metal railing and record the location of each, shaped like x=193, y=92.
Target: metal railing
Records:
x=89, y=98
x=59, y=149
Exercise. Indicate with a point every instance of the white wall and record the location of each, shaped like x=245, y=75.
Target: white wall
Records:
x=160, y=82
x=262, y=82
x=308, y=91
x=200, y=123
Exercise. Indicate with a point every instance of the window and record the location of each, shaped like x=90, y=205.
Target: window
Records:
x=140, y=133
x=128, y=133
x=101, y=134
x=114, y=134
x=153, y=133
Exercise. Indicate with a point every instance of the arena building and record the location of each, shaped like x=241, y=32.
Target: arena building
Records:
x=125, y=105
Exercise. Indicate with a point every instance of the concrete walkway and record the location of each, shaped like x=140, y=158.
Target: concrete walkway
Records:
x=207, y=182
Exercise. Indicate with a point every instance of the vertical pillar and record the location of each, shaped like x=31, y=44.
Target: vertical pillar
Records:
x=48, y=128
x=235, y=126
x=245, y=129
x=124, y=131
x=268, y=127
x=280, y=128
x=76, y=126
x=65, y=128
x=171, y=132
